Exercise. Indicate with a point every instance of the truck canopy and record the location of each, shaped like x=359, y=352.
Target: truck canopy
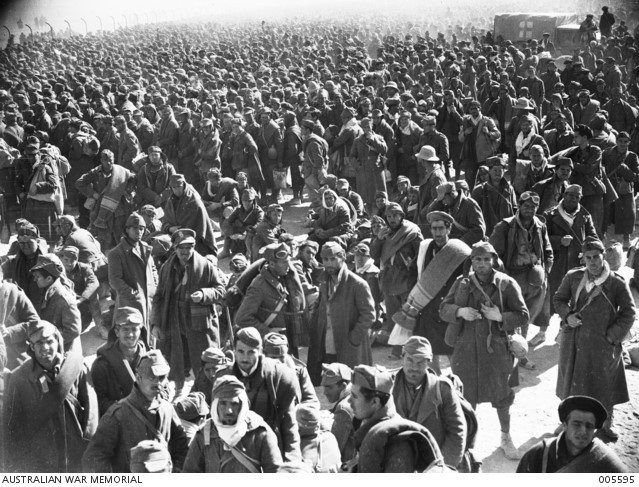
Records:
x=524, y=26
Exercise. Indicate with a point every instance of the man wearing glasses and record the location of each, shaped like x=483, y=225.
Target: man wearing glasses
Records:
x=522, y=243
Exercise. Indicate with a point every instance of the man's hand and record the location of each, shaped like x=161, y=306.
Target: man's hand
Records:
x=156, y=332
x=573, y=320
x=382, y=232
x=566, y=240
x=197, y=296
x=491, y=313
x=468, y=314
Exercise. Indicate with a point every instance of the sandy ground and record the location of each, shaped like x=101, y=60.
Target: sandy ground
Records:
x=534, y=414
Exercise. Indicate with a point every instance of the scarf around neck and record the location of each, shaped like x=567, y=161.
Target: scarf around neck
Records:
x=231, y=434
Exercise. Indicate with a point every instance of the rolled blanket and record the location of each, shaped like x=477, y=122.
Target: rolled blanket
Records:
x=431, y=280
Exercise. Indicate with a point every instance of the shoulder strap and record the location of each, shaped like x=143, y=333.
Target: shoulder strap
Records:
x=544, y=461
x=146, y=422
x=275, y=312
x=247, y=462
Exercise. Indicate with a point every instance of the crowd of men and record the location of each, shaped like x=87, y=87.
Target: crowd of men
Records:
x=460, y=189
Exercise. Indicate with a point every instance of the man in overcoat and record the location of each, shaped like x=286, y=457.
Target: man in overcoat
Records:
x=344, y=313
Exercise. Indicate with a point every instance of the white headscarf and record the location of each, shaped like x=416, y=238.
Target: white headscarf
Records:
x=232, y=434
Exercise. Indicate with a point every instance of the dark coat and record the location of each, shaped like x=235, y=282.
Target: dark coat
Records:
x=495, y=203
x=487, y=377
x=469, y=226
x=437, y=407
x=188, y=211
x=504, y=240
x=112, y=375
x=133, y=276
x=262, y=298
x=352, y=313
x=566, y=258
x=45, y=433
x=272, y=390
x=120, y=430
x=588, y=347
x=153, y=187
x=259, y=443
x=371, y=440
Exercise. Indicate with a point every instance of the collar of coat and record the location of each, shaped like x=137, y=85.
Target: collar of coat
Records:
x=384, y=413
x=253, y=421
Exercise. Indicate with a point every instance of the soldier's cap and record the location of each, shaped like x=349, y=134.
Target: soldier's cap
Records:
x=128, y=315
x=362, y=249
x=119, y=118
x=610, y=60
x=227, y=387
x=309, y=243
x=137, y=113
x=592, y=243
x=381, y=194
x=439, y=216
x=214, y=174
x=50, y=263
x=274, y=207
x=364, y=224
x=419, y=347
x=214, y=355
x=574, y=188
x=177, y=180
x=135, y=219
x=39, y=329
x=276, y=251
x=149, y=456
x=181, y=111
x=496, y=160
x=376, y=378
x=309, y=124
x=427, y=153
x=583, y=403
x=445, y=188
x=241, y=176
x=275, y=344
x=148, y=210
x=154, y=148
x=183, y=236
x=153, y=362
x=249, y=194
x=332, y=249
x=70, y=251
x=238, y=259
x=206, y=122
x=160, y=244
x=335, y=373
x=191, y=407
x=308, y=418
x=28, y=229
x=564, y=161
x=249, y=336
x=342, y=183
x=31, y=149
x=482, y=248
x=393, y=207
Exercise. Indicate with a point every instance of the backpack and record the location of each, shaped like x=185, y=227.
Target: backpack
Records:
x=469, y=463
x=425, y=456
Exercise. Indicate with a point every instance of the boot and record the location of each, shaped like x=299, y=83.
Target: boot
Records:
x=538, y=339
x=225, y=251
x=508, y=447
x=626, y=242
x=609, y=430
